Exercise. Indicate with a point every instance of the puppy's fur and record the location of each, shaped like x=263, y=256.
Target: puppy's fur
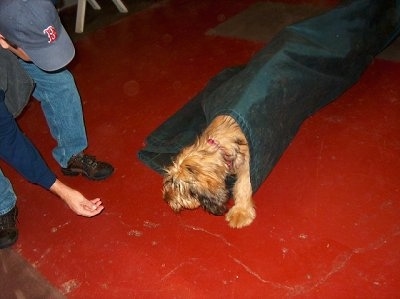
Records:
x=200, y=174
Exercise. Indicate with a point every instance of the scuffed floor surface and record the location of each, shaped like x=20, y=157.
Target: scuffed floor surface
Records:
x=327, y=223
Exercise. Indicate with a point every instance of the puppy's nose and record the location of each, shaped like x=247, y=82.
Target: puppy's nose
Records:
x=217, y=210
x=211, y=206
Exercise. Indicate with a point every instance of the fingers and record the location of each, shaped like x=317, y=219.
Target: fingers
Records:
x=3, y=43
x=92, y=208
x=96, y=204
x=96, y=201
x=89, y=212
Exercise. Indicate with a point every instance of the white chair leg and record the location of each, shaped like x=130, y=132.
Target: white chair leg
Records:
x=80, y=16
x=94, y=4
x=120, y=5
x=81, y=9
x=80, y=13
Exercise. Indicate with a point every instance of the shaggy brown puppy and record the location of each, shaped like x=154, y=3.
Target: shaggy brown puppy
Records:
x=200, y=174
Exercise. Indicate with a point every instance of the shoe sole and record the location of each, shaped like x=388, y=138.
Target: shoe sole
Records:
x=71, y=172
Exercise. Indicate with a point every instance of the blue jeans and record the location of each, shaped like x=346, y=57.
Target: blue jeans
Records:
x=61, y=105
x=7, y=195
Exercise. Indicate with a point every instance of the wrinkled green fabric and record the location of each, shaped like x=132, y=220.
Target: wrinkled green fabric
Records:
x=305, y=67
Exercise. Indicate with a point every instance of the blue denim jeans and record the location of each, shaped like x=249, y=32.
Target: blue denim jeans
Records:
x=62, y=107
x=7, y=195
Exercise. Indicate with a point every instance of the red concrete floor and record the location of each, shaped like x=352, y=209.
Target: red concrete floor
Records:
x=327, y=223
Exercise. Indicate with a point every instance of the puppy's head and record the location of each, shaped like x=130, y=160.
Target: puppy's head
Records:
x=196, y=178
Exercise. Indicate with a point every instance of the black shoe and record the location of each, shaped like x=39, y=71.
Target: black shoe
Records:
x=88, y=166
x=8, y=228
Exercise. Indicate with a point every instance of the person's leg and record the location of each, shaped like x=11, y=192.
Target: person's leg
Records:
x=7, y=195
x=62, y=108
x=8, y=213
x=8, y=209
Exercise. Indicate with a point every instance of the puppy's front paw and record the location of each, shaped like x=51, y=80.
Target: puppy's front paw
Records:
x=239, y=217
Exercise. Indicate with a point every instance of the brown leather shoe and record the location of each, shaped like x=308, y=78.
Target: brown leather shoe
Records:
x=8, y=228
x=88, y=166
